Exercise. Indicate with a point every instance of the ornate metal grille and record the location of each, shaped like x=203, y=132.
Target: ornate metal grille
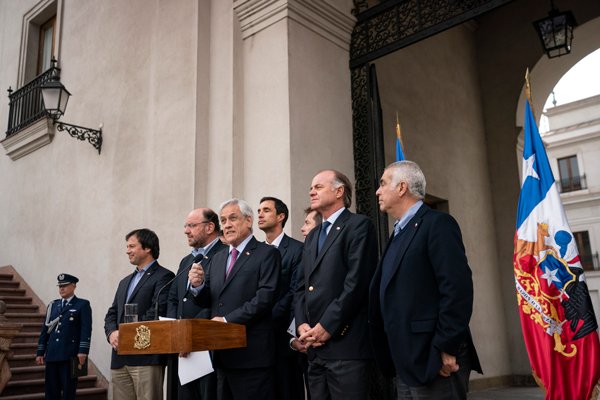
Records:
x=25, y=104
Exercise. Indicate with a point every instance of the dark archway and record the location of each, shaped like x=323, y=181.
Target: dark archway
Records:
x=380, y=30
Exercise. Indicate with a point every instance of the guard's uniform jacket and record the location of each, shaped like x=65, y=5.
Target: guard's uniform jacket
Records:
x=67, y=330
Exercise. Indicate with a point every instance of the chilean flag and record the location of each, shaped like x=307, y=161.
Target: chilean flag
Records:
x=558, y=321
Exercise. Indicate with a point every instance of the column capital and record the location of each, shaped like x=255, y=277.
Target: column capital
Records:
x=316, y=15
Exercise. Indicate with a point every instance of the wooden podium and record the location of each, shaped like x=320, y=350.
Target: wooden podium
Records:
x=179, y=336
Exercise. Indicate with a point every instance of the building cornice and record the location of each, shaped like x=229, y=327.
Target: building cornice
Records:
x=573, y=134
x=316, y=15
x=574, y=105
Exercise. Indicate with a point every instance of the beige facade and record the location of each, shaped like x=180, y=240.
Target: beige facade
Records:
x=204, y=100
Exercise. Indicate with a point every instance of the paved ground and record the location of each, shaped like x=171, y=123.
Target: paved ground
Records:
x=520, y=393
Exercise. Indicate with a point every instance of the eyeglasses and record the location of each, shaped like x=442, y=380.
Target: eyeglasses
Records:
x=192, y=226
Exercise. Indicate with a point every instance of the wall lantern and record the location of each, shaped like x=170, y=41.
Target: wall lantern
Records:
x=56, y=97
x=556, y=31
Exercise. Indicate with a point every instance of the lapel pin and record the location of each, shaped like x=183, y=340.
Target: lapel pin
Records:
x=416, y=224
x=337, y=228
x=247, y=253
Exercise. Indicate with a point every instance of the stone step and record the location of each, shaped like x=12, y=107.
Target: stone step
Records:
x=27, y=373
x=35, y=327
x=26, y=337
x=21, y=360
x=23, y=348
x=28, y=386
x=95, y=393
x=9, y=284
x=22, y=308
x=6, y=277
x=16, y=300
x=25, y=317
x=11, y=291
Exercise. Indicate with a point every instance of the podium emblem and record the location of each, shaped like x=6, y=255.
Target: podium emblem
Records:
x=142, y=337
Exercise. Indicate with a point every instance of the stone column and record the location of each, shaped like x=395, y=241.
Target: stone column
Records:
x=296, y=100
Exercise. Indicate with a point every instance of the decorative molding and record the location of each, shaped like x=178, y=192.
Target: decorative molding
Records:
x=29, y=139
x=316, y=15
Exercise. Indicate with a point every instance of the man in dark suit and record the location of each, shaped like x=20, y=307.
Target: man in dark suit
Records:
x=339, y=258
x=272, y=216
x=421, y=296
x=202, y=230
x=241, y=287
x=138, y=376
x=64, y=339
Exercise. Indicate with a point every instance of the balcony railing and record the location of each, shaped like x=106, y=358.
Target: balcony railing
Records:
x=572, y=183
x=25, y=104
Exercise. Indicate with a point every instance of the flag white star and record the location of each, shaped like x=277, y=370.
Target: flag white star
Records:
x=528, y=168
x=550, y=276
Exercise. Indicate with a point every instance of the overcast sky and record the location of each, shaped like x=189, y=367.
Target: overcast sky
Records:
x=583, y=80
x=580, y=82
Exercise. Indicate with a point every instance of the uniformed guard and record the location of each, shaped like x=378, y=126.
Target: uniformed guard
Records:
x=64, y=340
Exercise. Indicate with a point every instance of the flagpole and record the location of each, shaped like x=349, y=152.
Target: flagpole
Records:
x=528, y=92
x=399, y=144
x=398, y=132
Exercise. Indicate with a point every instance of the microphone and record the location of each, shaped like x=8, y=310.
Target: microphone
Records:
x=198, y=258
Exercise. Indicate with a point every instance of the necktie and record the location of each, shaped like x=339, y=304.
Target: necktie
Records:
x=322, y=235
x=397, y=228
x=63, y=303
x=234, y=255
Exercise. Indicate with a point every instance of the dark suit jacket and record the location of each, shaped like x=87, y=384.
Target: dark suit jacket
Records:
x=72, y=336
x=335, y=286
x=180, y=303
x=144, y=295
x=291, y=257
x=428, y=300
x=246, y=297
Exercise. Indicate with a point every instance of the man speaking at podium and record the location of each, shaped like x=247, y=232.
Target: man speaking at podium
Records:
x=241, y=287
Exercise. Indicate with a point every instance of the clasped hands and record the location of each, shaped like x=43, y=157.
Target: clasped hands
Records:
x=312, y=337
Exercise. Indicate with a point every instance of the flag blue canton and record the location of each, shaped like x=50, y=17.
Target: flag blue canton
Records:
x=399, y=152
x=538, y=177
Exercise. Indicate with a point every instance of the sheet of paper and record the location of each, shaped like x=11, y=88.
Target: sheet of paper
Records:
x=194, y=366
x=292, y=328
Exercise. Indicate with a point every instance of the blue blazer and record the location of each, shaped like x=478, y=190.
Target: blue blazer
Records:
x=145, y=296
x=291, y=258
x=72, y=333
x=335, y=286
x=246, y=297
x=427, y=298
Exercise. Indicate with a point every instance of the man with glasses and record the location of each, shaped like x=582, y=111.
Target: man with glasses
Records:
x=202, y=230
x=64, y=341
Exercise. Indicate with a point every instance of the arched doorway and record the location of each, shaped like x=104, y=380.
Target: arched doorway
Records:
x=462, y=123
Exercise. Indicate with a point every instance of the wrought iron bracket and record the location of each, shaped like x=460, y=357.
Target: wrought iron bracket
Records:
x=93, y=136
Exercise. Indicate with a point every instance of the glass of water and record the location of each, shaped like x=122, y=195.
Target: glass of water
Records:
x=131, y=312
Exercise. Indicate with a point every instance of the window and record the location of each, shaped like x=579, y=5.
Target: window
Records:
x=582, y=239
x=570, y=178
x=40, y=39
x=28, y=127
x=46, y=45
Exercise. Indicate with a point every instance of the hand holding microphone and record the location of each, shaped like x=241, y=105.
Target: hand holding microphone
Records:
x=196, y=275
